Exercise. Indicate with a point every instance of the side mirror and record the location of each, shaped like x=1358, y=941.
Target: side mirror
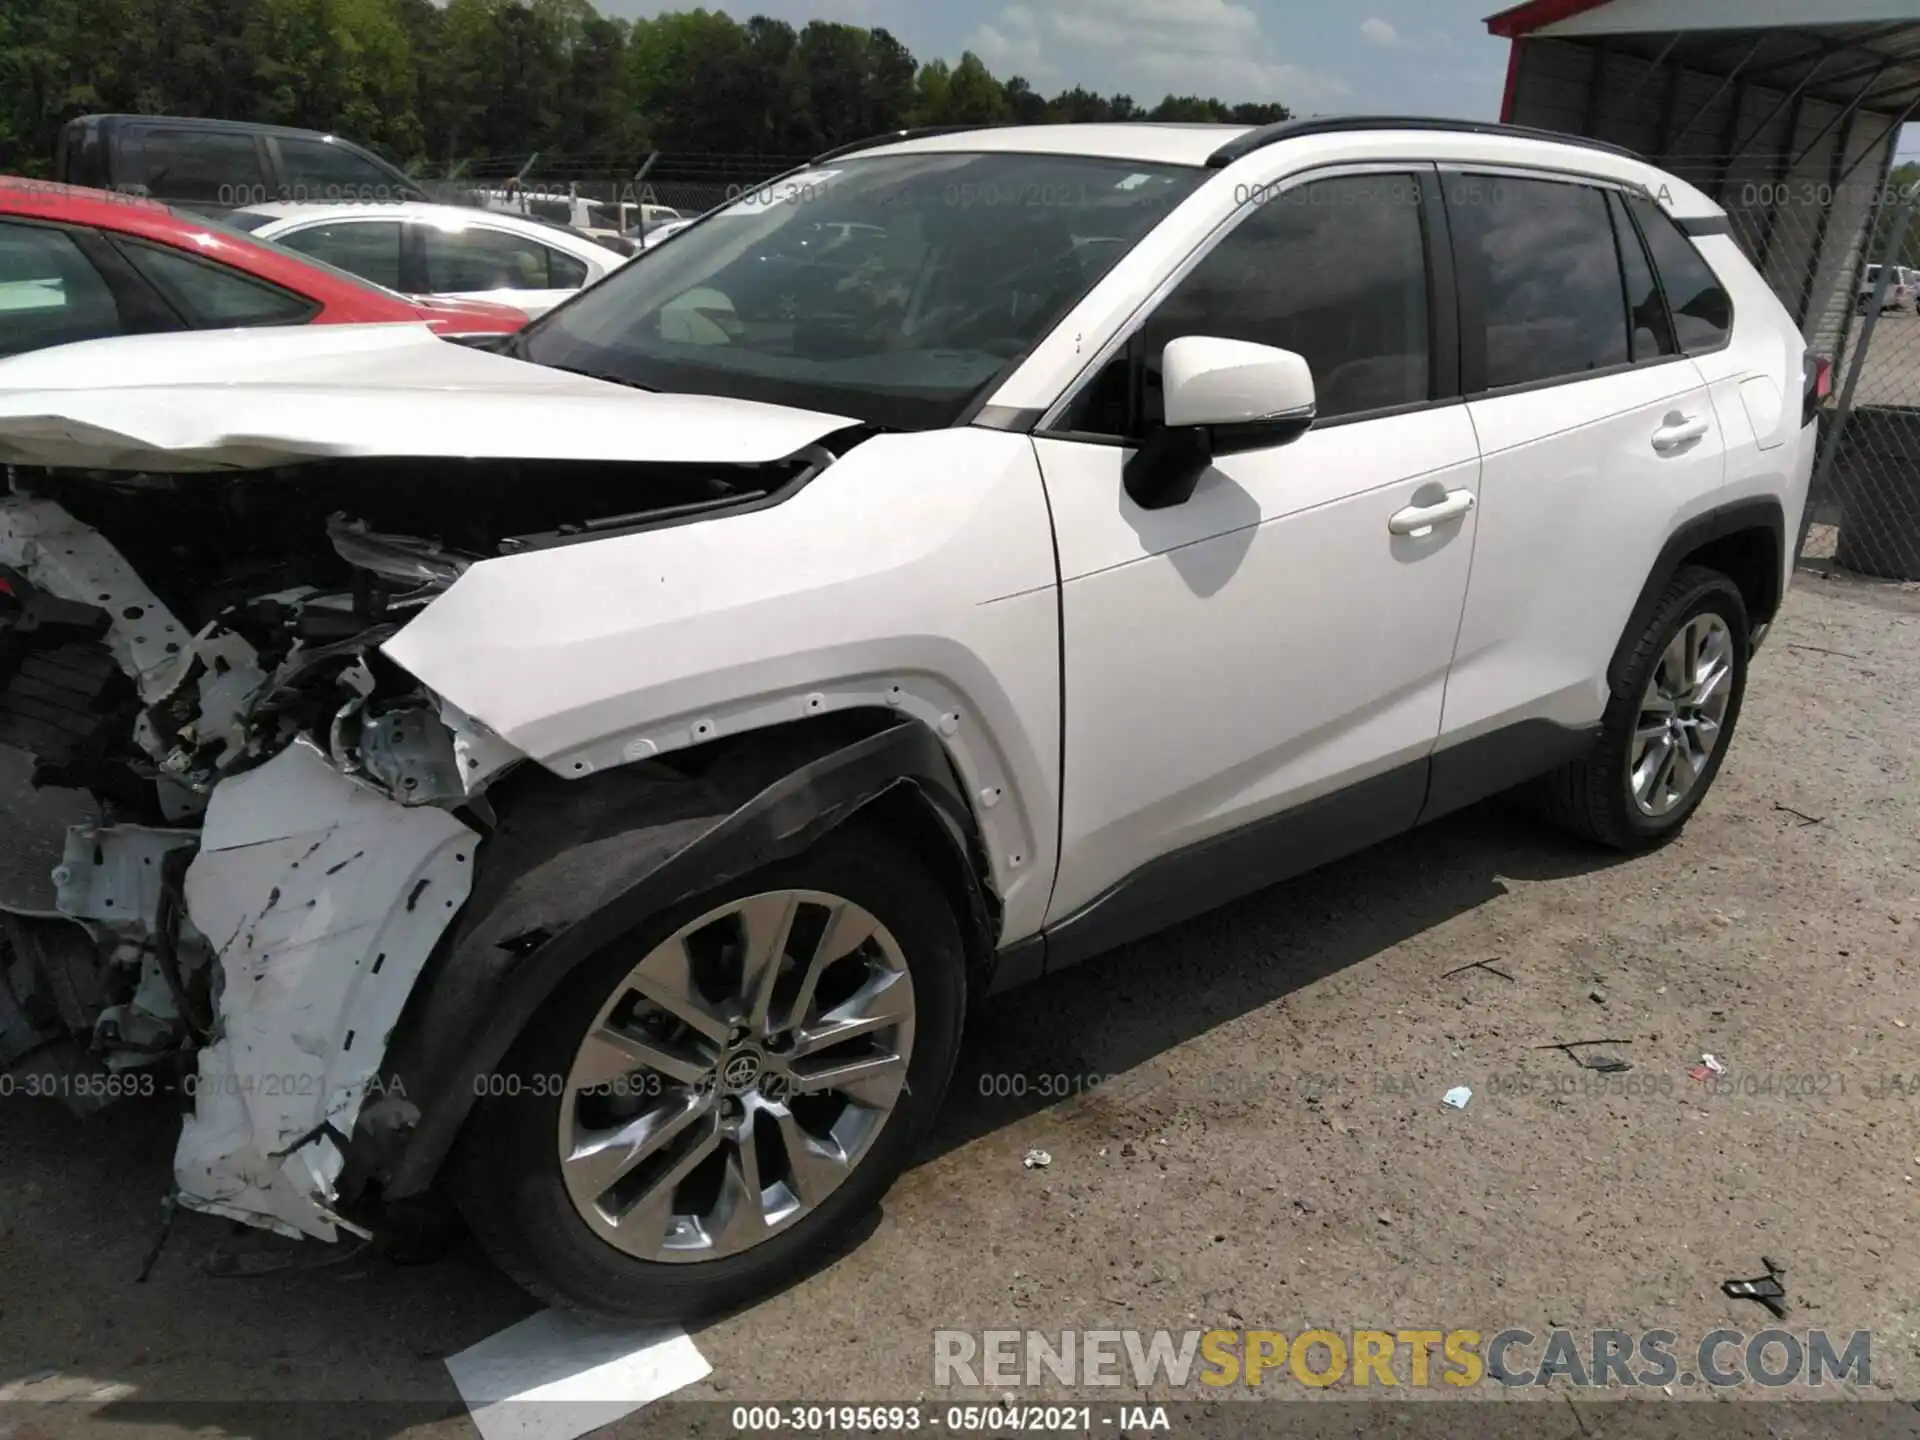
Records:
x=1220, y=397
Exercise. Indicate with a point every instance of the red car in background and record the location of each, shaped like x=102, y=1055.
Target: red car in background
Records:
x=86, y=264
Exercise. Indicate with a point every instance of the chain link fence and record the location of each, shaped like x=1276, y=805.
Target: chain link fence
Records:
x=691, y=183
x=1834, y=245
x=1864, y=510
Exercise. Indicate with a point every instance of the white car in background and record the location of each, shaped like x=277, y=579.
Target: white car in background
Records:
x=662, y=233
x=421, y=249
x=1899, y=294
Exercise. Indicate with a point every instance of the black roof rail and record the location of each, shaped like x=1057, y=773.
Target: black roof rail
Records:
x=892, y=137
x=1266, y=135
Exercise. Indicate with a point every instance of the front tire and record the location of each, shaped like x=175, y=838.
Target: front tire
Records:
x=1669, y=721
x=706, y=1109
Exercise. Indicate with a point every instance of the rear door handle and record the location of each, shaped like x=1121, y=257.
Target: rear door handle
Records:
x=1419, y=520
x=1679, y=430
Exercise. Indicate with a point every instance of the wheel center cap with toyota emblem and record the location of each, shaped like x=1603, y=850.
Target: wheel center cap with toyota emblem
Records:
x=740, y=1072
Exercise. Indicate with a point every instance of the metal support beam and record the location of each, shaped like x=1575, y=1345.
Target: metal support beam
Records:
x=1780, y=170
x=1827, y=49
x=1729, y=136
x=1669, y=104
x=1895, y=94
x=1652, y=66
x=1835, y=172
x=1596, y=72
x=1733, y=77
x=1823, y=52
x=1844, y=116
x=1787, y=99
x=1880, y=66
x=1893, y=131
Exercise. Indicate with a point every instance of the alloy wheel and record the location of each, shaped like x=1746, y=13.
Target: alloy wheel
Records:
x=737, y=1076
x=1681, y=715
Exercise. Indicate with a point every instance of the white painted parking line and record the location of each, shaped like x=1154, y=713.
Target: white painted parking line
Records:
x=555, y=1376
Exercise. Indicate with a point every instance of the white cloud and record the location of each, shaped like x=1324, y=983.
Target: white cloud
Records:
x=1151, y=48
x=1379, y=32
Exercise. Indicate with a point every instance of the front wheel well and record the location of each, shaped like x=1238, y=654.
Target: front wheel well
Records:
x=912, y=820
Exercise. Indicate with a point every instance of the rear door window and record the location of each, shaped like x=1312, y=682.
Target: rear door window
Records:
x=367, y=248
x=50, y=294
x=1539, y=258
x=207, y=167
x=1701, y=308
x=479, y=258
x=213, y=295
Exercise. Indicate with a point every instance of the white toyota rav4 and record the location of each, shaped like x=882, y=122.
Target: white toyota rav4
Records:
x=599, y=775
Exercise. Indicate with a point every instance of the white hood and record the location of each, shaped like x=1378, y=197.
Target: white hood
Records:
x=243, y=399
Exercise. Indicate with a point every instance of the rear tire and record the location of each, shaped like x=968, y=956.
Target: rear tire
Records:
x=1618, y=794
x=549, y=1228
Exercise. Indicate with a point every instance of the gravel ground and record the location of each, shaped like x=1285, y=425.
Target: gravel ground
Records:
x=1251, y=1134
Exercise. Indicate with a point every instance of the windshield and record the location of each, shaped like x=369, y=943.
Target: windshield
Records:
x=892, y=289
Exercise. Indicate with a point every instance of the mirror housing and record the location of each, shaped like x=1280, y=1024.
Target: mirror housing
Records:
x=1221, y=397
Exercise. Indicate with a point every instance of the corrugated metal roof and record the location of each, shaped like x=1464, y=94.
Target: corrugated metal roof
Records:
x=1810, y=46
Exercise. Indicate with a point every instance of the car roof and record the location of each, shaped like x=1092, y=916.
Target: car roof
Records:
x=431, y=214
x=1332, y=140
x=211, y=122
x=1147, y=142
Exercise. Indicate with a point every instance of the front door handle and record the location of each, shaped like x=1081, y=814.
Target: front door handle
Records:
x=1678, y=431
x=1419, y=520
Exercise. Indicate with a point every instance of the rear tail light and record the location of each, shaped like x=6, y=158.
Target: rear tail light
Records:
x=1817, y=375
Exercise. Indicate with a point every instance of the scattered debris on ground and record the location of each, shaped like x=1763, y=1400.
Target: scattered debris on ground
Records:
x=1486, y=965
x=1766, y=1289
x=1571, y=1049
x=1709, y=1067
x=1605, y=1064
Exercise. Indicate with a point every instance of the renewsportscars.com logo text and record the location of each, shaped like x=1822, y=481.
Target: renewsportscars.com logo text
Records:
x=1400, y=1357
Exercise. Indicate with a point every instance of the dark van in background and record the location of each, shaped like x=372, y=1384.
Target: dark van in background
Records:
x=219, y=165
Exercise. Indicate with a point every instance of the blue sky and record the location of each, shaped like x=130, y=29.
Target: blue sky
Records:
x=1420, y=57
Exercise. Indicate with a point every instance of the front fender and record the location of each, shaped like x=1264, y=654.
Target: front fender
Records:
x=915, y=574
x=573, y=867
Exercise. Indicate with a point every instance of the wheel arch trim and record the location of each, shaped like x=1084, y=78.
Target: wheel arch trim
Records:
x=465, y=1024
x=1759, y=513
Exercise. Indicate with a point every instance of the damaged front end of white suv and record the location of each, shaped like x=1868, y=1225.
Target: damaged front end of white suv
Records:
x=194, y=605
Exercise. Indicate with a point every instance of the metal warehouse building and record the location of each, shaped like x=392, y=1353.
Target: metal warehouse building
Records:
x=1787, y=112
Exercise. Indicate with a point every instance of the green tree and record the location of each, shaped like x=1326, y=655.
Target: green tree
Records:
x=1024, y=105
x=435, y=81
x=974, y=97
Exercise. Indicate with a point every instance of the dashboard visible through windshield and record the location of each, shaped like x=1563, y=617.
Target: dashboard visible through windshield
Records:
x=893, y=289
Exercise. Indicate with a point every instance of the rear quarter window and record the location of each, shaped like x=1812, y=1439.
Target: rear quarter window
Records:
x=1701, y=308
x=50, y=294
x=213, y=295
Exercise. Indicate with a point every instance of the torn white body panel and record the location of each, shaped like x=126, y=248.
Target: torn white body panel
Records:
x=76, y=562
x=255, y=398
x=322, y=899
